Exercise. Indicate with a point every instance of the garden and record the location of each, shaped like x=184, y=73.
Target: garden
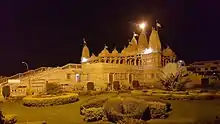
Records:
x=173, y=103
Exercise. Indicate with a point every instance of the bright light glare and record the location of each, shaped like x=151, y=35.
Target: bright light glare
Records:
x=84, y=59
x=148, y=51
x=142, y=26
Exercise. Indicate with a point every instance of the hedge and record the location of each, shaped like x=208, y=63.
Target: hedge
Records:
x=201, y=96
x=10, y=119
x=93, y=114
x=94, y=102
x=121, y=108
x=49, y=101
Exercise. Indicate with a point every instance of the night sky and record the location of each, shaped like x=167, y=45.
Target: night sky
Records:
x=50, y=33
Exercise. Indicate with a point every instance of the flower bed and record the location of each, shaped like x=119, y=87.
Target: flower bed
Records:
x=49, y=101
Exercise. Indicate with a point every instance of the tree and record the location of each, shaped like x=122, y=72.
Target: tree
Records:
x=6, y=91
x=53, y=88
x=174, y=77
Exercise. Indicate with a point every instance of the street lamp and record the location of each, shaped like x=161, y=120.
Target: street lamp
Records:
x=29, y=79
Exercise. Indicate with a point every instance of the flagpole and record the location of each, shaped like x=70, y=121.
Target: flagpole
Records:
x=157, y=25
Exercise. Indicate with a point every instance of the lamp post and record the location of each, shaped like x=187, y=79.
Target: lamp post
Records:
x=29, y=80
x=25, y=63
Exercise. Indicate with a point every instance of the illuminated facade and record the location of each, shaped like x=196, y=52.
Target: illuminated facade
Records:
x=140, y=61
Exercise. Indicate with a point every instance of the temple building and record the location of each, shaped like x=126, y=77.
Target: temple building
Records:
x=140, y=61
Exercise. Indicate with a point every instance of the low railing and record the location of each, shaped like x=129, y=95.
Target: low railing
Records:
x=39, y=70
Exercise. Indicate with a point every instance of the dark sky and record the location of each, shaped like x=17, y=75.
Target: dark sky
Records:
x=50, y=33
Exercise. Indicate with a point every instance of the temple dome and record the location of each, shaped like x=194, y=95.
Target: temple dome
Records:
x=93, y=57
x=124, y=52
x=115, y=52
x=168, y=52
x=104, y=52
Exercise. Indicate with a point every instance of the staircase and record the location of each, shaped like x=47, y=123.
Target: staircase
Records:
x=39, y=72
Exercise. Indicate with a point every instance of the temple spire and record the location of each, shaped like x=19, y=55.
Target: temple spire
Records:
x=154, y=40
x=142, y=41
x=85, y=50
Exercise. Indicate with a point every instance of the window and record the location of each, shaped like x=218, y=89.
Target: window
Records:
x=68, y=76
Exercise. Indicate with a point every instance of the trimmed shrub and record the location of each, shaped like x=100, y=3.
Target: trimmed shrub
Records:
x=53, y=88
x=158, y=108
x=121, y=108
x=94, y=102
x=10, y=119
x=49, y=101
x=191, y=96
x=93, y=114
x=116, y=85
x=136, y=85
x=6, y=91
x=90, y=86
x=131, y=121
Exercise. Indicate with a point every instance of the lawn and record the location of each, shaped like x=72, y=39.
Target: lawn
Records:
x=69, y=114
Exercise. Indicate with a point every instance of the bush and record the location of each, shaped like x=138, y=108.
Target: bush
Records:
x=53, y=88
x=90, y=86
x=121, y=108
x=94, y=102
x=131, y=121
x=136, y=85
x=6, y=91
x=116, y=85
x=93, y=114
x=158, y=108
x=48, y=101
x=201, y=96
x=10, y=119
